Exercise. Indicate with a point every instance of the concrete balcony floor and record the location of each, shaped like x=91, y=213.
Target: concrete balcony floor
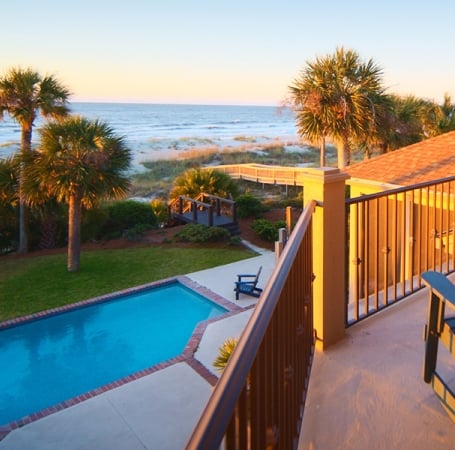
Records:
x=367, y=391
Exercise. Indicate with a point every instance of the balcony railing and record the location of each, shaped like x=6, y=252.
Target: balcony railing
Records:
x=259, y=400
x=393, y=237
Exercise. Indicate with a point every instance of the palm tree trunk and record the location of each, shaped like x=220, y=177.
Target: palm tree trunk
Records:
x=26, y=144
x=23, y=217
x=74, y=233
x=322, y=158
x=343, y=153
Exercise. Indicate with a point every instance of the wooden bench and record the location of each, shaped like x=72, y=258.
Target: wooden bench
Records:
x=439, y=327
x=248, y=287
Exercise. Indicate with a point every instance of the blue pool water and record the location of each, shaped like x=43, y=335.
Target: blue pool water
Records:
x=49, y=360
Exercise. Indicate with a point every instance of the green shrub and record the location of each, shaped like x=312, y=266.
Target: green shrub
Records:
x=127, y=214
x=136, y=233
x=235, y=240
x=8, y=228
x=93, y=222
x=249, y=206
x=267, y=230
x=198, y=233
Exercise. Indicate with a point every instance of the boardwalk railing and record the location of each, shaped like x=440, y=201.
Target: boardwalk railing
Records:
x=394, y=236
x=259, y=400
x=260, y=173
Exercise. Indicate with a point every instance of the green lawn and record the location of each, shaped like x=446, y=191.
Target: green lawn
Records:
x=29, y=285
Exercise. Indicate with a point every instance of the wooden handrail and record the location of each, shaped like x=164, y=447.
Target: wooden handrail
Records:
x=192, y=200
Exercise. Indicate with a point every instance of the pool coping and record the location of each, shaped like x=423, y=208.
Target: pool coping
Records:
x=186, y=356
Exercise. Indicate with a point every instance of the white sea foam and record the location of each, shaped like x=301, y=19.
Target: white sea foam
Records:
x=165, y=131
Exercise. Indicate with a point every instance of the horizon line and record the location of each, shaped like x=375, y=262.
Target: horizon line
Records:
x=176, y=103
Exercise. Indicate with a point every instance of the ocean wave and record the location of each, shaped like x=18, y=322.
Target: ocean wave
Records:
x=159, y=127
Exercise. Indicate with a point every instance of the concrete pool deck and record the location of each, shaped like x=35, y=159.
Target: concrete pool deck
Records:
x=157, y=411
x=365, y=392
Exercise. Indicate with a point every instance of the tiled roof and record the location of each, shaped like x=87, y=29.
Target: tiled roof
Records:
x=425, y=161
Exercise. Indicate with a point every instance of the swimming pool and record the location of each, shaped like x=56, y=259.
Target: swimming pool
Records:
x=63, y=355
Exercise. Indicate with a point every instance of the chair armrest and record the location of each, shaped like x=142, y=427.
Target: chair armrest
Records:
x=245, y=283
x=438, y=282
x=245, y=276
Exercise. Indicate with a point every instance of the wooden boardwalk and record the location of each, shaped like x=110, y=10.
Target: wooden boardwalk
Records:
x=260, y=173
x=203, y=218
x=206, y=209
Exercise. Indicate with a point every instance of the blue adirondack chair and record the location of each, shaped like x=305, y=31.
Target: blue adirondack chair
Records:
x=439, y=328
x=247, y=284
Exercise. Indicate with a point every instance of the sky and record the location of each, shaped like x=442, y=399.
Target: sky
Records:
x=241, y=52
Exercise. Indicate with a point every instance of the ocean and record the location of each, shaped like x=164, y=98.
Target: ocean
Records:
x=155, y=131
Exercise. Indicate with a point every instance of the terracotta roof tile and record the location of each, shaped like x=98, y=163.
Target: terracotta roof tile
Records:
x=425, y=161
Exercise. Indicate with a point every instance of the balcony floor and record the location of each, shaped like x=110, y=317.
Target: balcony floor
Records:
x=367, y=391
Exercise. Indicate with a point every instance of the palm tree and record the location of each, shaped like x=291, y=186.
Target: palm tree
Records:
x=195, y=181
x=80, y=162
x=44, y=206
x=447, y=121
x=408, y=120
x=23, y=94
x=405, y=120
x=338, y=97
x=9, y=168
x=8, y=201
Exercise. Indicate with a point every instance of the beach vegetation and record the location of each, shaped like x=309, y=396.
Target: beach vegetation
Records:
x=245, y=138
x=79, y=162
x=24, y=94
x=158, y=176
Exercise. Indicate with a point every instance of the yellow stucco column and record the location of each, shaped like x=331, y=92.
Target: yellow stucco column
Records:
x=327, y=187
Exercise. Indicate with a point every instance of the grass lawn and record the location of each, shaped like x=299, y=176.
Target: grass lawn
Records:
x=29, y=285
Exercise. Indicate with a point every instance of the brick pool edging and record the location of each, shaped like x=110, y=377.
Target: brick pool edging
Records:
x=187, y=354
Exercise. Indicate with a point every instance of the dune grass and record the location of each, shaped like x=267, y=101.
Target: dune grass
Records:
x=29, y=285
x=158, y=175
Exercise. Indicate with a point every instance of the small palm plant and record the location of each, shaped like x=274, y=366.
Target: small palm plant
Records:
x=196, y=181
x=224, y=353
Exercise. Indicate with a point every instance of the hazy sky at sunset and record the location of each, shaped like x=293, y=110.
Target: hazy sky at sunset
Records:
x=224, y=52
